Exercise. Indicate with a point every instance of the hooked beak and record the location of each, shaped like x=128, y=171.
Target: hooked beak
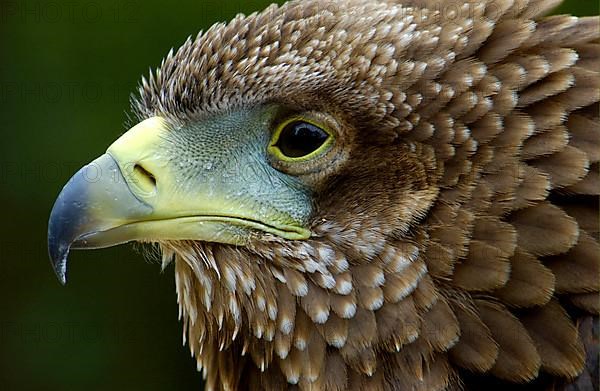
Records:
x=94, y=200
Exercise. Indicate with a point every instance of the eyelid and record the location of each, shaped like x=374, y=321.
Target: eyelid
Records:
x=274, y=149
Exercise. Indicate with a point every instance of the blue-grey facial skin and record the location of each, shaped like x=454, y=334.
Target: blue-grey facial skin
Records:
x=227, y=155
x=210, y=180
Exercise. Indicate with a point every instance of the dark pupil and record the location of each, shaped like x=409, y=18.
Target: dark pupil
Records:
x=300, y=138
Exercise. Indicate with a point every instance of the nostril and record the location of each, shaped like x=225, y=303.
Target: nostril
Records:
x=142, y=172
x=143, y=179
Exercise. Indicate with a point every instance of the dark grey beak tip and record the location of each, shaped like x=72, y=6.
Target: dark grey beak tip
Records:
x=60, y=268
x=65, y=221
x=61, y=274
x=58, y=253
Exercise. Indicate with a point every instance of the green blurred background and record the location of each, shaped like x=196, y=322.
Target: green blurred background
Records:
x=66, y=71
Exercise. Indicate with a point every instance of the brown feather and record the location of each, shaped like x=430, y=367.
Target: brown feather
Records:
x=440, y=328
x=544, y=229
x=530, y=283
x=316, y=304
x=476, y=349
x=335, y=331
x=486, y=268
x=518, y=359
x=556, y=339
x=564, y=168
x=336, y=372
x=398, y=324
x=577, y=271
x=546, y=143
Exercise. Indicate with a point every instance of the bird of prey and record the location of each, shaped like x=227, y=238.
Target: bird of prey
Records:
x=368, y=195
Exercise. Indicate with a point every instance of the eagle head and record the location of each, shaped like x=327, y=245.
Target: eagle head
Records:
x=345, y=189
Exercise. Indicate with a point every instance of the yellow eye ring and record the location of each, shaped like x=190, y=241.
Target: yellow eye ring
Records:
x=299, y=139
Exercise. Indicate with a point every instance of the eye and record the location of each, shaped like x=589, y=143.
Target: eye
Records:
x=298, y=139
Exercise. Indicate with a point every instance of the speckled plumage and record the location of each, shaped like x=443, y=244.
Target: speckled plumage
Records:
x=456, y=243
